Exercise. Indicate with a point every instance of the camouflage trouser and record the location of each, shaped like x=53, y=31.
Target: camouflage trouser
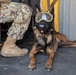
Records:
x=20, y=14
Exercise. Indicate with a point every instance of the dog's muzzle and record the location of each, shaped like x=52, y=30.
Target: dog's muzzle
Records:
x=43, y=20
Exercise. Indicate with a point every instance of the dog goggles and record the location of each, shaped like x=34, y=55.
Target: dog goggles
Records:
x=48, y=17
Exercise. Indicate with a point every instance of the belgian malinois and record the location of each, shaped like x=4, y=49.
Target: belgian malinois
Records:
x=47, y=39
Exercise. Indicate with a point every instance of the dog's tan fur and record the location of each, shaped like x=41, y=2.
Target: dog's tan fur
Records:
x=59, y=39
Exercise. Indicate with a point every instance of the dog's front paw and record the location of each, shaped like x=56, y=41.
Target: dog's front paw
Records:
x=31, y=67
x=48, y=67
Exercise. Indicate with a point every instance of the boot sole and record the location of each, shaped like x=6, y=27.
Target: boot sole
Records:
x=12, y=55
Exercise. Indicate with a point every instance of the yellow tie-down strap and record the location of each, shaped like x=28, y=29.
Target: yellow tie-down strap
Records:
x=44, y=7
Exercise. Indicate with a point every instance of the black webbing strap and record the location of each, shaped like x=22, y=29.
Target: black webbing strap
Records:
x=29, y=2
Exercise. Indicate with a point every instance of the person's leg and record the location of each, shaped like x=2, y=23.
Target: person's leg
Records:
x=16, y=32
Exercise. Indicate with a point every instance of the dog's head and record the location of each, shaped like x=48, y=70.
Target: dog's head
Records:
x=44, y=20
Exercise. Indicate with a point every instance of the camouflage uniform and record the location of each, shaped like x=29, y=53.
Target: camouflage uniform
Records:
x=19, y=14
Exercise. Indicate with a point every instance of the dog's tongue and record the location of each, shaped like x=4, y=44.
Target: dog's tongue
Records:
x=41, y=31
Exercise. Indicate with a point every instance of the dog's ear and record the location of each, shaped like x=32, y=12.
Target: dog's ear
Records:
x=37, y=9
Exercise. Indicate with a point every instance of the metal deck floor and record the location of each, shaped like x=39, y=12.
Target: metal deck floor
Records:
x=63, y=64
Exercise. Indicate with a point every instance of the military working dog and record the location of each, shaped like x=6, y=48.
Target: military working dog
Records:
x=47, y=39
